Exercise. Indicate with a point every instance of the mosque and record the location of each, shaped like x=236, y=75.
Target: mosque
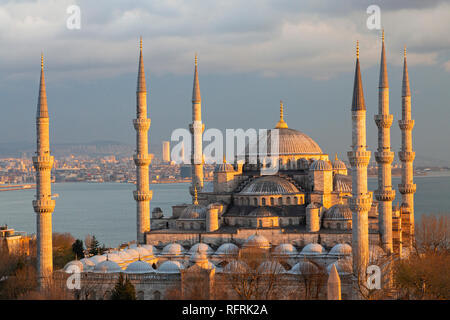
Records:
x=313, y=213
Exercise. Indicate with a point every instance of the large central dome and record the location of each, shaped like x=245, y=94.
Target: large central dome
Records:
x=295, y=142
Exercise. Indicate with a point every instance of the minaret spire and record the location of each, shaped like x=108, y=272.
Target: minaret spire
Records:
x=142, y=159
x=407, y=188
x=384, y=157
x=196, y=128
x=281, y=124
x=43, y=205
x=359, y=157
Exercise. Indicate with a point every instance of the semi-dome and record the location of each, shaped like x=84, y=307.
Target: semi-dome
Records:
x=262, y=212
x=285, y=249
x=172, y=249
x=170, y=267
x=203, y=247
x=270, y=185
x=227, y=249
x=139, y=267
x=312, y=249
x=257, y=241
x=97, y=259
x=304, y=267
x=193, y=211
x=74, y=266
x=340, y=250
x=338, y=212
x=271, y=267
x=290, y=142
x=107, y=266
x=320, y=165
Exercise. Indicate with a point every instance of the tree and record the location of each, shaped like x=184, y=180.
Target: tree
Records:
x=94, y=246
x=123, y=290
x=78, y=248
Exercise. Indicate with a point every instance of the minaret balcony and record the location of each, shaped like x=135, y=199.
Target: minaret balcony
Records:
x=384, y=157
x=142, y=159
x=406, y=124
x=43, y=162
x=385, y=195
x=362, y=203
x=407, y=156
x=44, y=205
x=359, y=158
x=197, y=125
x=142, y=195
x=141, y=124
x=407, y=188
x=384, y=120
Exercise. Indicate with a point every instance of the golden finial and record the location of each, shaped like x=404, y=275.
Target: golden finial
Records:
x=382, y=35
x=140, y=43
x=357, y=49
x=404, y=52
x=196, y=59
x=281, y=123
x=335, y=157
x=42, y=60
x=224, y=159
x=195, y=196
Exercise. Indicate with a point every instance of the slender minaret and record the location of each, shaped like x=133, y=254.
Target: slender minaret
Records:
x=142, y=159
x=196, y=128
x=384, y=157
x=359, y=157
x=43, y=205
x=407, y=188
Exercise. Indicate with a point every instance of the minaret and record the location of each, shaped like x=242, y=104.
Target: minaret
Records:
x=407, y=188
x=43, y=205
x=384, y=157
x=196, y=128
x=142, y=159
x=359, y=157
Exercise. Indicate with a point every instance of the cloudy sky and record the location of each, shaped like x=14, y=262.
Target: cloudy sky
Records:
x=251, y=54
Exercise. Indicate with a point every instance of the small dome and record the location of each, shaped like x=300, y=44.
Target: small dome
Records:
x=74, y=266
x=285, y=249
x=107, y=266
x=151, y=249
x=341, y=250
x=87, y=264
x=139, y=267
x=313, y=205
x=343, y=266
x=132, y=252
x=257, y=241
x=113, y=257
x=97, y=259
x=125, y=256
x=269, y=185
x=172, y=249
x=193, y=211
x=312, y=249
x=203, y=247
x=236, y=266
x=262, y=212
x=224, y=167
x=338, y=212
x=304, y=267
x=142, y=252
x=338, y=164
x=320, y=165
x=227, y=249
x=170, y=267
x=271, y=267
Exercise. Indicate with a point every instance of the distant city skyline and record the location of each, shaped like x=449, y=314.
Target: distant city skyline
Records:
x=300, y=53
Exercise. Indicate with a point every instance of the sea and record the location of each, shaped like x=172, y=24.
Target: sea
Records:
x=108, y=210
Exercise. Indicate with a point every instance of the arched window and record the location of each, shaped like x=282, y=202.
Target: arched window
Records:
x=191, y=225
x=280, y=201
x=338, y=226
x=182, y=225
x=295, y=200
x=260, y=223
x=255, y=201
x=140, y=295
x=202, y=225
x=156, y=295
x=272, y=201
x=248, y=201
x=263, y=201
x=290, y=221
x=288, y=200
